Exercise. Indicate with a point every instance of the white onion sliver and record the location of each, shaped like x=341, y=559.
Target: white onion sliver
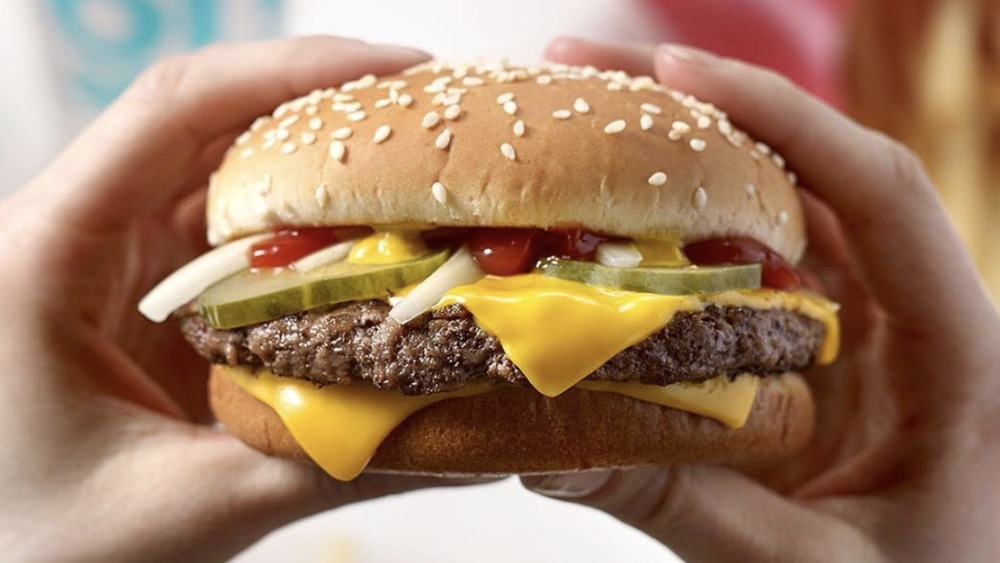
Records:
x=460, y=269
x=194, y=277
x=618, y=254
x=333, y=253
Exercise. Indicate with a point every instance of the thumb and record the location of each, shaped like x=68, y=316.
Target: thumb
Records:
x=707, y=513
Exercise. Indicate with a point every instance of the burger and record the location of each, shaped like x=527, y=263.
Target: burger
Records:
x=494, y=269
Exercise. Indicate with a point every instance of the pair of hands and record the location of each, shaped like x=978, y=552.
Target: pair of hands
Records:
x=108, y=456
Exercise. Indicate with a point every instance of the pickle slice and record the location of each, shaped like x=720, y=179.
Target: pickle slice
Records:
x=251, y=297
x=665, y=281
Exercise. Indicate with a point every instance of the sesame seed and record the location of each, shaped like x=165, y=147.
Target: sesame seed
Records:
x=725, y=127
x=312, y=110
x=700, y=197
x=615, y=127
x=657, y=179
x=288, y=148
x=698, y=144
x=508, y=151
x=349, y=107
x=405, y=100
x=646, y=122
x=778, y=160
x=242, y=139
x=562, y=114
x=651, y=108
x=340, y=98
x=321, y=195
x=519, y=128
x=762, y=148
x=443, y=140
x=581, y=105
x=337, y=151
x=393, y=95
x=246, y=153
x=641, y=83
x=510, y=107
x=704, y=122
x=430, y=120
x=356, y=116
x=504, y=98
x=614, y=86
x=308, y=137
x=282, y=134
x=544, y=79
x=680, y=127
x=438, y=98
x=782, y=217
x=439, y=192
x=382, y=133
x=751, y=190
x=343, y=133
x=435, y=88
x=674, y=135
x=452, y=99
x=268, y=144
x=383, y=103
x=473, y=81
x=315, y=124
x=792, y=178
x=452, y=112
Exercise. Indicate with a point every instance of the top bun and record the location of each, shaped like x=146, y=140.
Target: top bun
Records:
x=502, y=145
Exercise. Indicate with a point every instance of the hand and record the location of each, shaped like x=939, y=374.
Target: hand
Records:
x=905, y=460
x=106, y=454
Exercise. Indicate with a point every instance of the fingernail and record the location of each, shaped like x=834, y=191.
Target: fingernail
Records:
x=687, y=54
x=572, y=485
x=400, y=51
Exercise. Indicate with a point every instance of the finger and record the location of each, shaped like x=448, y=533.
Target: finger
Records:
x=707, y=513
x=139, y=152
x=893, y=220
x=633, y=58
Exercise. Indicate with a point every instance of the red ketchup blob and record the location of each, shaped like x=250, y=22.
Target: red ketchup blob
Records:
x=776, y=274
x=504, y=252
x=288, y=245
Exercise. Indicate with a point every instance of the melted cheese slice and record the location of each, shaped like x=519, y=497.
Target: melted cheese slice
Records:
x=558, y=331
x=341, y=426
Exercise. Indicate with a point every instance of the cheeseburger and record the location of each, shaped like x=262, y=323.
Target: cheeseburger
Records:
x=492, y=269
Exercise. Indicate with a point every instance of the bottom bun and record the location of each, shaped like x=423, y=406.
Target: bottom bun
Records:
x=518, y=430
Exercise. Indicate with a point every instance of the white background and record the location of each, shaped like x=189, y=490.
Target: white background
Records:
x=498, y=523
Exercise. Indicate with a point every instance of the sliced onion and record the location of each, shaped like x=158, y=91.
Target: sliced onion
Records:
x=194, y=277
x=333, y=253
x=460, y=269
x=618, y=254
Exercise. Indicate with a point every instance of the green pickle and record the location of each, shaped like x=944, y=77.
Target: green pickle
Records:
x=251, y=297
x=666, y=281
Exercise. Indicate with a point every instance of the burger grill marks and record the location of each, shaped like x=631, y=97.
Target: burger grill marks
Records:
x=444, y=350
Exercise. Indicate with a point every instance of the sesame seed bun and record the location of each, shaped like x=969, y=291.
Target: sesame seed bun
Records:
x=501, y=145
x=576, y=430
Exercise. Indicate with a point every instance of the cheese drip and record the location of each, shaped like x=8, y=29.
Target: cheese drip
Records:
x=558, y=331
x=341, y=426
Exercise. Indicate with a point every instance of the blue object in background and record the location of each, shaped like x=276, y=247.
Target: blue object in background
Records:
x=99, y=46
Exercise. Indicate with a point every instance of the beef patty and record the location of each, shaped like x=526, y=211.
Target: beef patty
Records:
x=444, y=349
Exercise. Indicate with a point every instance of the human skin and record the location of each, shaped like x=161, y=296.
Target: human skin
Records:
x=904, y=462
x=107, y=450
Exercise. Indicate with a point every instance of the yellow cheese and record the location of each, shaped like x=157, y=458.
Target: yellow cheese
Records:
x=727, y=401
x=388, y=247
x=341, y=426
x=558, y=331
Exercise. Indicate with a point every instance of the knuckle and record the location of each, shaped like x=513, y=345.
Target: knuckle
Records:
x=905, y=167
x=163, y=79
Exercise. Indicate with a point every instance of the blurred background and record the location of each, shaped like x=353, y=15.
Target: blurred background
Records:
x=924, y=71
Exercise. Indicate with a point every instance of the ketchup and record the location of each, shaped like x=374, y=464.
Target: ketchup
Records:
x=776, y=273
x=288, y=245
x=505, y=252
